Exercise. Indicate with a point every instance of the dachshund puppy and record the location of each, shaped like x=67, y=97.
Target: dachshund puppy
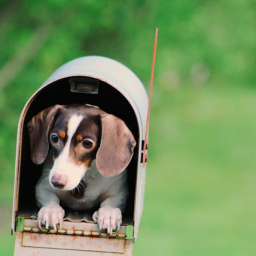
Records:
x=84, y=152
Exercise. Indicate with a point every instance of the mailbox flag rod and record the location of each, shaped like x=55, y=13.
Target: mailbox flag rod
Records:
x=149, y=98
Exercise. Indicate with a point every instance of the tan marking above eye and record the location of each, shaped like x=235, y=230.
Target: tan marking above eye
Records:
x=79, y=137
x=62, y=134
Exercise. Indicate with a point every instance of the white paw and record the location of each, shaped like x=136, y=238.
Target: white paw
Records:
x=51, y=215
x=108, y=218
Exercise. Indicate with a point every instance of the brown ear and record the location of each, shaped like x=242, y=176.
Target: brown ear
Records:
x=38, y=130
x=116, y=147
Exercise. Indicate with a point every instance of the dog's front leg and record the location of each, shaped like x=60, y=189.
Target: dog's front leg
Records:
x=51, y=213
x=109, y=215
x=108, y=218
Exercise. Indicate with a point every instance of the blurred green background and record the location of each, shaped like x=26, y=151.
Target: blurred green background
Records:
x=200, y=191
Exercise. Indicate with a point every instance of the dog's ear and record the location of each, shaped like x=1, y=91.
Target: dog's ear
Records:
x=116, y=147
x=38, y=129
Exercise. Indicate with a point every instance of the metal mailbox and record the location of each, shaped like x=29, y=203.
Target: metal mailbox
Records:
x=116, y=89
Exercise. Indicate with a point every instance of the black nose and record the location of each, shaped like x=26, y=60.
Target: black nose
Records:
x=59, y=181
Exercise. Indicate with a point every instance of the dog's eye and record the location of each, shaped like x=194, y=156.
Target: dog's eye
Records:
x=54, y=138
x=87, y=144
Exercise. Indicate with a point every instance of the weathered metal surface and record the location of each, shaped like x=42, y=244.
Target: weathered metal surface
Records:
x=72, y=228
x=26, y=245
x=72, y=236
x=73, y=242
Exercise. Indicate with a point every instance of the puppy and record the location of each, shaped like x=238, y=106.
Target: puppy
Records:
x=84, y=152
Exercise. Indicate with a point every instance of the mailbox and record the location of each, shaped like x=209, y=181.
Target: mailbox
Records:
x=114, y=88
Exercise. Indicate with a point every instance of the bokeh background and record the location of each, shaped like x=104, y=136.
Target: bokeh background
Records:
x=200, y=191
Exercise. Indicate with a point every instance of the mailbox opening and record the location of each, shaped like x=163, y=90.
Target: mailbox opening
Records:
x=62, y=92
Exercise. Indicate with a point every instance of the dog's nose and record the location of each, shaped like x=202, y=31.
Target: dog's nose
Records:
x=59, y=181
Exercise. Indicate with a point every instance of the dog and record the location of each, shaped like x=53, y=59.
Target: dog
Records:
x=85, y=153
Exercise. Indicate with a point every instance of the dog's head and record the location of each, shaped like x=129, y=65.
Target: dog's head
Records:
x=77, y=135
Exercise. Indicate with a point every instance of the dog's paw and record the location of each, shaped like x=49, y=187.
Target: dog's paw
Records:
x=108, y=218
x=50, y=216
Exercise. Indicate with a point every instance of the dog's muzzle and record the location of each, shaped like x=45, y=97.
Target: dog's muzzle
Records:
x=59, y=180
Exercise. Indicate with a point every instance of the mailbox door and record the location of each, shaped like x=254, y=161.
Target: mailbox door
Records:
x=73, y=239
x=41, y=245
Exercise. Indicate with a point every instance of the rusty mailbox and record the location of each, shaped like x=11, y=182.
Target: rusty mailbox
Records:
x=116, y=89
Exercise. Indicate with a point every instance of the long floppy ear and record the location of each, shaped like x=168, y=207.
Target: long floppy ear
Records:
x=116, y=147
x=38, y=128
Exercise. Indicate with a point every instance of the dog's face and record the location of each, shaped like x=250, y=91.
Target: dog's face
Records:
x=74, y=139
x=78, y=134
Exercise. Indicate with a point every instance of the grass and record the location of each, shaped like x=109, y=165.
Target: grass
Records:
x=200, y=178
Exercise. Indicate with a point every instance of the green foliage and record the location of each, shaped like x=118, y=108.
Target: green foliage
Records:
x=199, y=191
x=201, y=172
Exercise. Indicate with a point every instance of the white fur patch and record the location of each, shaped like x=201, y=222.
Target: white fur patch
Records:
x=73, y=124
x=63, y=164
